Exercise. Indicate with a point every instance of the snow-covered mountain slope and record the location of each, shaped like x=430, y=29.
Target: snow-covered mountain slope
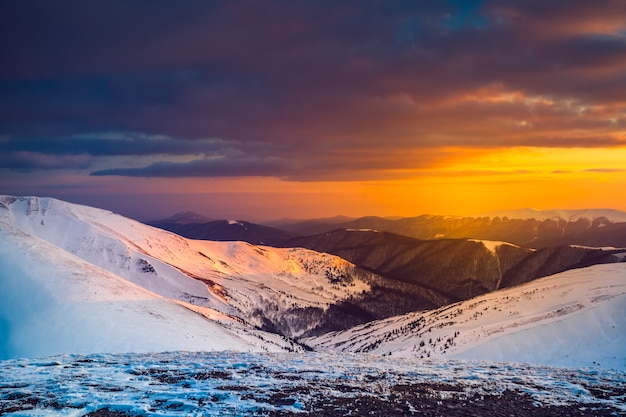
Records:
x=53, y=302
x=287, y=290
x=575, y=318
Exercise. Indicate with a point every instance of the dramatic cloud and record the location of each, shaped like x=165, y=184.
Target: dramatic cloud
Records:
x=348, y=75
x=305, y=91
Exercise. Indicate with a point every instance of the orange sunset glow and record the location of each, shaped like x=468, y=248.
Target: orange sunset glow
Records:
x=314, y=110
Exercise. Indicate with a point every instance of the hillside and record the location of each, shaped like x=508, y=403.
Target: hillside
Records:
x=182, y=217
x=455, y=268
x=224, y=230
x=292, y=292
x=52, y=302
x=575, y=318
x=75, y=279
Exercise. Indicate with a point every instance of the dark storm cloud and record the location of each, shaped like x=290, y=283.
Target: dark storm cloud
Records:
x=294, y=85
x=216, y=156
x=115, y=144
x=208, y=167
x=247, y=160
x=21, y=160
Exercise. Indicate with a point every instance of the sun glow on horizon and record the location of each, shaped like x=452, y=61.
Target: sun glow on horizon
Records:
x=453, y=181
x=544, y=178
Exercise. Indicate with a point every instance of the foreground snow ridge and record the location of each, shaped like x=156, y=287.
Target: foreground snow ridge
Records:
x=235, y=384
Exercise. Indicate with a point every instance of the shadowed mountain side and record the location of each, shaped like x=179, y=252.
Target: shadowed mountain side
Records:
x=534, y=233
x=318, y=226
x=549, y=261
x=386, y=297
x=543, y=233
x=227, y=230
x=304, y=223
x=183, y=217
x=457, y=268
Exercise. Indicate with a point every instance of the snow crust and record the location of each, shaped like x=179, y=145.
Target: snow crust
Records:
x=575, y=318
x=607, y=248
x=237, y=384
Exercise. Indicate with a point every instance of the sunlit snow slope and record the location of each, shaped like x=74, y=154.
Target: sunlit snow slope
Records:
x=52, y=302
x=575, y=318
x=278, y=289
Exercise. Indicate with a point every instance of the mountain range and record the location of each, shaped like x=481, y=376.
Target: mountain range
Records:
x=438, y=271
x=587, y=228
x=526, y=227
x=457, y=269
x=76, y=279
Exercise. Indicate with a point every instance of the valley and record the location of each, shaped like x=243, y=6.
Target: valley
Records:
x=389, y=311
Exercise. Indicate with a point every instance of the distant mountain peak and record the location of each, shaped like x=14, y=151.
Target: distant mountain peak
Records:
x=185, y=217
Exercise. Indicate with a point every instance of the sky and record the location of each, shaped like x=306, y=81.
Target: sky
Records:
x=264, y=110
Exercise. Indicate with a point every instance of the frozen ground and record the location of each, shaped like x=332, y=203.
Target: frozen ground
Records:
x=227, y=383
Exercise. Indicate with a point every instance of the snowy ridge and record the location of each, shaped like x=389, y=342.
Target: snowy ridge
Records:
x=575, y=318
x=53, y=302
x=258, y=285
